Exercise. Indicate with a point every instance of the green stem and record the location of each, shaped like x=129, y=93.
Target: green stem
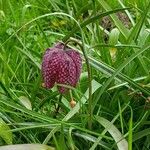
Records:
x=71, y=97
x=89, y=79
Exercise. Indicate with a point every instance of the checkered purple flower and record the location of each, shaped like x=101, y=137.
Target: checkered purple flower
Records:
x=61, y=66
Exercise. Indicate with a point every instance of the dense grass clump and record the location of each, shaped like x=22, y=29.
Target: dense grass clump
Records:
x=110, y=106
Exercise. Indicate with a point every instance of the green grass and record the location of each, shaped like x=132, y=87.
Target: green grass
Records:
x=113, y=107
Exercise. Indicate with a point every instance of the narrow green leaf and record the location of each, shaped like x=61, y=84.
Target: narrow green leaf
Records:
x=133, y=36
x=30, y=56
x=141, y=134
x=70, y=140
x=24, y=10
x=115, y=133
x=121, y=118
x=130, y=131
x=105, y=130
x=93, y=139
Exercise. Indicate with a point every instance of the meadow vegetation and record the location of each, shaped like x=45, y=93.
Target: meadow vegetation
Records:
x=112, y=97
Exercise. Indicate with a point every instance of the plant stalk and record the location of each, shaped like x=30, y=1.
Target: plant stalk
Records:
x=90, y=112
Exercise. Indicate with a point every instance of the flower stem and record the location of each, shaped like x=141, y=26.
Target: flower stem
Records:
x=70, y=92
x=90, y=112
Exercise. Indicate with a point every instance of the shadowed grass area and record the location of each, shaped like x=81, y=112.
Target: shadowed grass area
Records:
x=112, y=97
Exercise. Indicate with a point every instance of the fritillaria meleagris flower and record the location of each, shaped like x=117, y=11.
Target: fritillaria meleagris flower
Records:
x=61, y=66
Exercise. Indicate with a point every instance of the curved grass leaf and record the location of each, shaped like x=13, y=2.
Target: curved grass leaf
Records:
x=92, y=139
x=105, y=130
x=115, y=133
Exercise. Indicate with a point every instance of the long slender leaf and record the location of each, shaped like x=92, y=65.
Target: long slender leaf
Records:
x=115, y=133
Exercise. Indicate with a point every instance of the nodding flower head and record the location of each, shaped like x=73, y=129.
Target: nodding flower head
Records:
x=61, y=66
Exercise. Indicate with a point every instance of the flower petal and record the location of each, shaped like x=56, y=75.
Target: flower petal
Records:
x=63, y=71
x=61, y=66
x=49, y=67
x=75, y=56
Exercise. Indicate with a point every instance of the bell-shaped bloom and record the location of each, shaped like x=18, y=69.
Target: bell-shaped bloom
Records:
x=61, y=66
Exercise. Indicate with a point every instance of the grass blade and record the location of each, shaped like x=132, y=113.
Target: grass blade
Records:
x=115, y=133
